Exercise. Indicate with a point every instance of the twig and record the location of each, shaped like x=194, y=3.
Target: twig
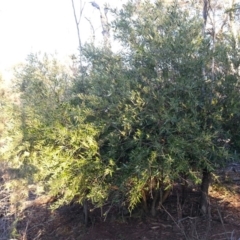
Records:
x=25, y=232
x=180, y=228
x=93, y=30
x=221, y=219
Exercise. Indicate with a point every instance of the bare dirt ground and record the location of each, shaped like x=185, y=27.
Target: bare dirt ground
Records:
x=37, y=221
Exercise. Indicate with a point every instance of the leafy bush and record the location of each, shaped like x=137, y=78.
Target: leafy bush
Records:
x=134, y=121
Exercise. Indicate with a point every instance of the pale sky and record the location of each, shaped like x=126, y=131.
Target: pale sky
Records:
x=42, y=25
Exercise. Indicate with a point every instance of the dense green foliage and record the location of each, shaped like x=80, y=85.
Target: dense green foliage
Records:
x=135, y=121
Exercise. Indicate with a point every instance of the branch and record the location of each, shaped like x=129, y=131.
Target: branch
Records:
x=93, y=30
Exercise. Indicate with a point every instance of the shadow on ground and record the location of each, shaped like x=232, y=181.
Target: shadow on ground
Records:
x=38, y=222
x=67, y=222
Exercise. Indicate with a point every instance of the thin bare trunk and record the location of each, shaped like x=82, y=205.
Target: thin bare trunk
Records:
x=213, y=49
x=233, y=30
x=205, y=17
x=106, y=30
x=205, y=177
x=77, y=22
x=232, y=23
x=105, y=24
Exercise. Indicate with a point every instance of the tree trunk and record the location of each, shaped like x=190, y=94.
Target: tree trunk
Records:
x=204, y=205
x=85, y=211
